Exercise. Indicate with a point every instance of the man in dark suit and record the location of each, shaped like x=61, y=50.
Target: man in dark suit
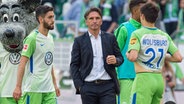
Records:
x=95, y=55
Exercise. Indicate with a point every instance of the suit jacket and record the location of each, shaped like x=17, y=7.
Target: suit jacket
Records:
x=82, y=58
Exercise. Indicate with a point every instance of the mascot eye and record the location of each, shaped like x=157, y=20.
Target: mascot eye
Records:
x=5, y=17
x=15, y=17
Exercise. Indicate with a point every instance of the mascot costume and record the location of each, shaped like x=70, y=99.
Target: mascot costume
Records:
x=17, y=20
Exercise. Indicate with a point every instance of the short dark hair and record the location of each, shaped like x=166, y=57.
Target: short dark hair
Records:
x=41, y=10
x=134, y=3
x=92, y=9
x=150, y=11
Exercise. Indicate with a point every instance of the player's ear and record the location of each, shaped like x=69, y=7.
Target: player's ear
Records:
x=142, y=17
x=40, y=19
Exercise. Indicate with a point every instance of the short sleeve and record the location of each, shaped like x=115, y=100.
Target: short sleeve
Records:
x=172, y=47
x=29, y=47
x=134, y=43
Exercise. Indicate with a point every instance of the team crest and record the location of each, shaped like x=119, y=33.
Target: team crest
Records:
x=14, y=58
x=48, y=58
x=133, y=41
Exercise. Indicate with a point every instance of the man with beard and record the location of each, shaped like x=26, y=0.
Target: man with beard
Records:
x=37, y=57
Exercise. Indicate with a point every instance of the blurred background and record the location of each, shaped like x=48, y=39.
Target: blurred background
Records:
x=68, y=25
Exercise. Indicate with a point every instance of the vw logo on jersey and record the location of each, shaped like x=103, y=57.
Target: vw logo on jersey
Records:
x=48, y=58
x=14, y=58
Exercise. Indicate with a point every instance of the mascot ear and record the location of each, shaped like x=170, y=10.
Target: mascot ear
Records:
x=30, y=5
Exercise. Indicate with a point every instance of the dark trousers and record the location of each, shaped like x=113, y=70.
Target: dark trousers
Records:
x=101, y=93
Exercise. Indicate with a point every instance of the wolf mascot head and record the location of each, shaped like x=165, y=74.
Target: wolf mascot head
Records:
x=17, y=20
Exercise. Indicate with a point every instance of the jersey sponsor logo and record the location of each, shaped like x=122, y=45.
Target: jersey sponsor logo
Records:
x=133, y=41
x=48, y=58
x=14, y=58
x=25, y=47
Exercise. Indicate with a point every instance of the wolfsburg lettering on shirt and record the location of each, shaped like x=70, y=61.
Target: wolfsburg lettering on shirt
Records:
x=154, y=48
x=155, y=42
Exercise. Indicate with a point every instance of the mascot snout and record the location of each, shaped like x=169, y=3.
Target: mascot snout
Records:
x=12, y=35
x=9, y=33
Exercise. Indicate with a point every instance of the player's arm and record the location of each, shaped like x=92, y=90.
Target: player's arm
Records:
x=54, y=82
x=27, y=52
x=21, y=69
x=175, y=55
x=133, y=48
x=132, y=55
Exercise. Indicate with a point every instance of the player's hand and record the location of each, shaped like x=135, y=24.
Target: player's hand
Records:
x=57, y=91
x=17, y=93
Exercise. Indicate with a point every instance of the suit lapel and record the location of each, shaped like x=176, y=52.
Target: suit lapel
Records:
x=103, y=39
x=87, y=41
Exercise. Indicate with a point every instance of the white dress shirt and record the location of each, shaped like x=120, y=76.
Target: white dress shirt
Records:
x=98, y=70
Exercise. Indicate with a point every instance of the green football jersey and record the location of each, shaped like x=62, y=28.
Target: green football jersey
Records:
x=39, y=49
x=8, y=71
x=152, y=44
